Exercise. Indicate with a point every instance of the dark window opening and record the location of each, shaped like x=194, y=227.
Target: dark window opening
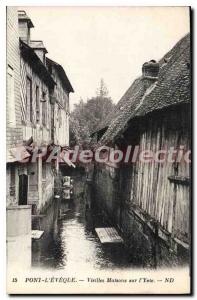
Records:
x=37, y=104
x=29, y=103
x=44, y=109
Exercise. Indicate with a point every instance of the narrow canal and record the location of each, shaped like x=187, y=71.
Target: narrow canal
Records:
x=70, y=242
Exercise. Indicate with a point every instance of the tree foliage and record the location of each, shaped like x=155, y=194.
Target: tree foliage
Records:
x=87, y=116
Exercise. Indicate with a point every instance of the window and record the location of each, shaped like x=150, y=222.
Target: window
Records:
x=29, y=104
x=60, y=118
x=44, y=171
x=44, y=109
x=11, y=119
x=37, y=104
x=12, y=181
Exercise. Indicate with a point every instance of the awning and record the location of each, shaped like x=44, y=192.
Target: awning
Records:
x=17, y=154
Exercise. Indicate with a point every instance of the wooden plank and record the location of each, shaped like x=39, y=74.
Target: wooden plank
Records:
x=38, y=216
x=108, y=235
x=36, y=234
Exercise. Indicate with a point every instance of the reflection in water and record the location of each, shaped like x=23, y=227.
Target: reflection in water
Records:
x=74, y=245
x=70, y=241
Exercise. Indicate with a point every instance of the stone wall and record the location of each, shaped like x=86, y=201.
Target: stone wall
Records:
x=104, y=187
x=20, y=215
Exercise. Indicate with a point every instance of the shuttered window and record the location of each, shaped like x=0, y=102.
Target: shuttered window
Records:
x=29, y=104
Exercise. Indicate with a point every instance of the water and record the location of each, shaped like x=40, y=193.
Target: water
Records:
x=73, y=243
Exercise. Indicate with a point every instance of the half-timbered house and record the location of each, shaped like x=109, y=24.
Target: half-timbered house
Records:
x=60, y=100
x=33, y=118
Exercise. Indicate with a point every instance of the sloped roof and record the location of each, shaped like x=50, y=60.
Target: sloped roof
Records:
x=37, y=65
x=143, y=97
x=38, y=45
x=117, y=109
x=62, y=74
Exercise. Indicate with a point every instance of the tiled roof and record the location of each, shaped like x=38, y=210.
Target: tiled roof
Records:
x=145, y=96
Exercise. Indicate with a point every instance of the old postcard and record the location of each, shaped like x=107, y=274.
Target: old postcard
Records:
x=98, y=164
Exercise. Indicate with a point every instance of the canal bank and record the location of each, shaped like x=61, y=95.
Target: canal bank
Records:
x=70, y=241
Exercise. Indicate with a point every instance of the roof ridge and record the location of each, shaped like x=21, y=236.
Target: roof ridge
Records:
x=172, y=87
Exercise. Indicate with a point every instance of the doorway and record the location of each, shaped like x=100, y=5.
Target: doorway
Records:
x=23, y=189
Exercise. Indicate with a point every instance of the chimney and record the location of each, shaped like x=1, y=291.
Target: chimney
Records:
x=150, y=70
x=25, y=24
x=39, y=49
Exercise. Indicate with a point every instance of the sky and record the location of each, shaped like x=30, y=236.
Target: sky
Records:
x=106, y=42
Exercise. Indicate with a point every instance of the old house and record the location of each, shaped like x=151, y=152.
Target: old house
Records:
x=37, y=114
x=151, y=198
x=60, y=98
x=13, y=117
x=19, y=237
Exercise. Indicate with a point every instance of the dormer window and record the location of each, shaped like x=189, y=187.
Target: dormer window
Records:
x=39, y=49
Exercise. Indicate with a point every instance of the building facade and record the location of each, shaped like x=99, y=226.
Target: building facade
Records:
x=60, y=100
x=37, y=115
x=14, y=135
